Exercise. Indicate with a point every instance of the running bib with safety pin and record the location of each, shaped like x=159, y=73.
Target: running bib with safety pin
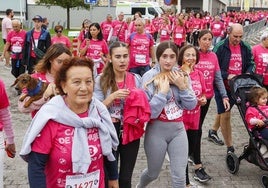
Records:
x=172, y=110
x=178, y=36
x=16, y=49
x=115, y=112
x=163, y=32
x=139, y=58
x=90, y=180
x=265, y=58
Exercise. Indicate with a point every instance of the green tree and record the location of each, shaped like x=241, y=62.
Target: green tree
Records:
x=67, y=4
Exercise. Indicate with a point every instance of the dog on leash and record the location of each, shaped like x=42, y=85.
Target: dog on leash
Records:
x=35, y=88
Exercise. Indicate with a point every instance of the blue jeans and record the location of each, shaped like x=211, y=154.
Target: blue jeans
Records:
x=140, y=70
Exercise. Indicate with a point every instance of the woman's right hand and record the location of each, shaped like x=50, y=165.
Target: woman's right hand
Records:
x=121, y=94
x=50, y=91
x=164, y=86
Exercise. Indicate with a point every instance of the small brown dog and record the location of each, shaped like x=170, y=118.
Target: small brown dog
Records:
x=35, y=88
x=160, y=77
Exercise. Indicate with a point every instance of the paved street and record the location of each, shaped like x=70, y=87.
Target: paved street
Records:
x=213, y=156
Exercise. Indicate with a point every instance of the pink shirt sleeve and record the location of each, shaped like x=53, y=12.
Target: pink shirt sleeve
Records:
x=36, y=105
x=5, y=119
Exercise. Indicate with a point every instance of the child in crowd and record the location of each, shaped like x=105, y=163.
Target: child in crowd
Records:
x=257, y=112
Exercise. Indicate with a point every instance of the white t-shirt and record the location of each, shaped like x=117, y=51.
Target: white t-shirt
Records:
x=6, y=24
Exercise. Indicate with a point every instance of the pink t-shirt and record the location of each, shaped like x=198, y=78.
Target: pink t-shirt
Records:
x=82, y=35
x=217, y=28
x=56, y=140
x=156, y=23
x=62, y=39
x=191, y=118
x=235, y=66
x=179, y=33
x=116, y=28
x=208, y=65
x=95, y=50
x=197, y=23
x=4, y=102
x=252, y=112
x=105, y=29
x=165, y=31
x=260, y=55
x=140, y=45
x=16, y=40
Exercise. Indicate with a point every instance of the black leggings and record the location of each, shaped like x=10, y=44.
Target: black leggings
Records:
x=17, y=67
x=204, y=111
x=195, y=38
x=127, y=155
x=194, y=139
x=195, y=151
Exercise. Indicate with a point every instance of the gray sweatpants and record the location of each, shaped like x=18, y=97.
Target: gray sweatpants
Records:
x=162, y=137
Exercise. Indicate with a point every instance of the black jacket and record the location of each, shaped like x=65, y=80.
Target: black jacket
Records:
x=44, y=43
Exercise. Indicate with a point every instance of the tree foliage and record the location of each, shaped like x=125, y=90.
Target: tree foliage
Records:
x=66, y=4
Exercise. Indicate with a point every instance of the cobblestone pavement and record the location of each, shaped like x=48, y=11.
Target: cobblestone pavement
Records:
x=213, y=156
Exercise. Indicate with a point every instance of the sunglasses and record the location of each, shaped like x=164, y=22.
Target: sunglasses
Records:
x=60, y=31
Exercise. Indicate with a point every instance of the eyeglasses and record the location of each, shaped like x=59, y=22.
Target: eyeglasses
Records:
x=59, y=31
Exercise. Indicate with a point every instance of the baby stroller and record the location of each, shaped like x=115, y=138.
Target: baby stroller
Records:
x=254, y=152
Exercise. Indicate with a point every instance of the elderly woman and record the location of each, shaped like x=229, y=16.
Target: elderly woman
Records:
x=71, y=138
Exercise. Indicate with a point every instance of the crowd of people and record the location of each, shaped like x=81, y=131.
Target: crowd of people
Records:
x=120, y=86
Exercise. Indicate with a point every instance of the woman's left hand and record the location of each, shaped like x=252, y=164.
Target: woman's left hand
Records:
x=226, y=103
x=113, y=184
x=11, y=149
x=202, y=101
x=178, y=79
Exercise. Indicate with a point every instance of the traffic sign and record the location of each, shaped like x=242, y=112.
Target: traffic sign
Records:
x=90, y=1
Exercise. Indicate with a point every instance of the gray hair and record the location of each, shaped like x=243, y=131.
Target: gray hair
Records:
x=264, y=36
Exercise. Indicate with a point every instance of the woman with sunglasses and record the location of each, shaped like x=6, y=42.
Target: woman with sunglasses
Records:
x=59, y=37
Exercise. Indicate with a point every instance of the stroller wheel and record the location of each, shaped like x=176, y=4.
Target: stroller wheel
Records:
x=264, y=181
x=232, y=163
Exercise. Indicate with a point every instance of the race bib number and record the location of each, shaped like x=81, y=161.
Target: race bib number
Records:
x=172, y=110
x=163, y=32
x=217, y=26
x=90, y=180
x=265, y=58
x=178, y=36
x=16, y=49
x=115, y=112
x=139, y=58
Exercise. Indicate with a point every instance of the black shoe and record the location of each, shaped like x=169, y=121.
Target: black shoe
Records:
x=213, y=137
x=191, y=160
x=230, y=149
x=201, y=175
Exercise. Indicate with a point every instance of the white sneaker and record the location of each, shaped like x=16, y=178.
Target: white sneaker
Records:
x=7, y=67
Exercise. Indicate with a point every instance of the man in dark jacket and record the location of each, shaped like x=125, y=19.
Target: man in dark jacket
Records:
x=36, y=44
x=235, y=58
